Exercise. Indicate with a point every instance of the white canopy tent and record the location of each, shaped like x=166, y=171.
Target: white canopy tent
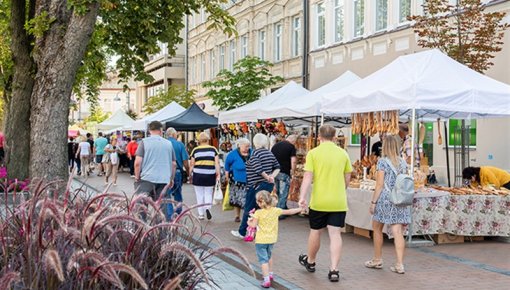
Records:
x=423, y=85
x=309, y=105
x=431, y=83
x=169, y=111
x=256, y=110
x=118, y=119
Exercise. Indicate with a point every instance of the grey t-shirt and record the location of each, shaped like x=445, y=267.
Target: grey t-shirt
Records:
x=157, y=154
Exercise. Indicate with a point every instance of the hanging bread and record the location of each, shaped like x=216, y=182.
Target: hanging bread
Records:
x=421, y=134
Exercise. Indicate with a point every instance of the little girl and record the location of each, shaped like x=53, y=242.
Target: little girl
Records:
x=266, y=221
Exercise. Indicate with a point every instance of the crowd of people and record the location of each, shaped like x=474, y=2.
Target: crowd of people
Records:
x=259, y=178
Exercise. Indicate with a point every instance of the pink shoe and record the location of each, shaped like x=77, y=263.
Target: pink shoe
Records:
x=271, y=278
x=266, y=284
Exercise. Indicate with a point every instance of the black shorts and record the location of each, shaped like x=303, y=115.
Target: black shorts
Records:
x=322, y=219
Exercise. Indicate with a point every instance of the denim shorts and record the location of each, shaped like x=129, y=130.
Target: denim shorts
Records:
x=264, y=252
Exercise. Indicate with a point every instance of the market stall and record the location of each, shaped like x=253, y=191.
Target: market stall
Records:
x=118, y=119
x=169, y=111
x=192, y=119
x=428, y=85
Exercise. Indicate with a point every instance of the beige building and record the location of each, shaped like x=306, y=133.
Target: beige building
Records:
x=365, y=35
x=165, y=70
x=269, y=29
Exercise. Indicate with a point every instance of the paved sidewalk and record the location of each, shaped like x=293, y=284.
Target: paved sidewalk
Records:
x=477, y=265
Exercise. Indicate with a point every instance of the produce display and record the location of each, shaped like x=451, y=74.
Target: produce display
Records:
x=375, y=122
x=369, y=162
x=472, y=190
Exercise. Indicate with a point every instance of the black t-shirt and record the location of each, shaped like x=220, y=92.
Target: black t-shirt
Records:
x=283, y=151
x=377, y=148
x=71, y=149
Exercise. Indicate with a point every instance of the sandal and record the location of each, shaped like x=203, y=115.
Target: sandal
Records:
x=374, y=264
x=334, y=275
x=303, y=260
x=399, y=269
x=237, y=219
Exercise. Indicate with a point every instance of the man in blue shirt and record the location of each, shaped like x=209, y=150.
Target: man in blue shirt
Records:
x=182, y=160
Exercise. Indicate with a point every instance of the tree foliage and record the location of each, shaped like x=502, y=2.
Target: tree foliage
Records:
x=5, y=52
x=132, y=114
x=97, y=115
x=175, y=93
x=464, y=31
x=243, y=85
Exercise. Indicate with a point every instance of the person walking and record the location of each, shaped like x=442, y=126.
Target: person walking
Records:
x=99, y=146
x=266, y=221
x=71, y=154
x=111, y=161
x=205, y=170
x=235, y=172
x=261, y=170
x=329, y=167
x=90, y=140
x=285, y=153
x=383, y=210
x=182, y=162
x=83, y=153
x=131, y=155
x=155, y=163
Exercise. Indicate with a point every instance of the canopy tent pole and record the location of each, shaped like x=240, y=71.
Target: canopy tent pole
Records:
x=413, y=138
x=447, y=153
x=322, y=119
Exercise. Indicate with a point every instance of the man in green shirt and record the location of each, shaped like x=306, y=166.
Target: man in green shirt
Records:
x=329, y=167
x=99, y=146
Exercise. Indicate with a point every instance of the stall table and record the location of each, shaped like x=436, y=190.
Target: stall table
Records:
x=439, y=212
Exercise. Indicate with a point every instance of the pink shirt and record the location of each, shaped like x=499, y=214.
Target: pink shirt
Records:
x=2, y=140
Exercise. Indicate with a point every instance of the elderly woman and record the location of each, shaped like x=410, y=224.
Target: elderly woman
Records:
x=205, y=170
x=261, y=169
x=235, y=171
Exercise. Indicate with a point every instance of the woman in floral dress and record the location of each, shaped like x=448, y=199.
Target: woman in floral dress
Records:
x=384, y=211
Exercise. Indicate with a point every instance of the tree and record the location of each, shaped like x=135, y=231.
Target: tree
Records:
x=174, y=93
x=96, y=115
x=58, y=45
x=243, y=85
x=132, y=114
x=463, y=31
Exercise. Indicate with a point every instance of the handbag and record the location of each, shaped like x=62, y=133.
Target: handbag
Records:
x=226, y=200
x=402, y=194
x=218, y=194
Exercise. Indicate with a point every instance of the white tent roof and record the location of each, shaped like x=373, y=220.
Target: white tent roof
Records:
x=169, y=111
x=118, y=119
x=430, y=82
x=309, y=104
x=254, y=111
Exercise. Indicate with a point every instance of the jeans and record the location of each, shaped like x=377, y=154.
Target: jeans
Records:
x=132, y=166
x=251, y=203
x=282, y=183
x=176, y=192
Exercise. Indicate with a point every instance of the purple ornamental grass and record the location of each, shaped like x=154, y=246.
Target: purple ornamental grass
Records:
x=60, y=239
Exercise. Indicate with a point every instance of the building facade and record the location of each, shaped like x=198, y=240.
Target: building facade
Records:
x=365, y=35
x=165, y=69
x=269, y=29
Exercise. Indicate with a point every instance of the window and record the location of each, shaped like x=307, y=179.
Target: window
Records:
x=278, y=29
x=355, y=139
x=296, y=36
x=381, y=15
x=222, y=57
x=339, y=20
x=454, y=132
x=155, y=90
x=202, y=67
x=212, y=61
x=321, y=25
x=232, y=58
x=359, y=18
x=244, y=46
x=262, y=45
x=404, y=10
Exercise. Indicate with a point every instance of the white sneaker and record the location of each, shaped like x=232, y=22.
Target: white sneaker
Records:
x=200, y=217
x=237, y=234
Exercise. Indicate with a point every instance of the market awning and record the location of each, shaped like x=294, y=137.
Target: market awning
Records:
x=169, y=111
x=257, y=110
x=118, y=119
x=430, y=82
x=193, y=119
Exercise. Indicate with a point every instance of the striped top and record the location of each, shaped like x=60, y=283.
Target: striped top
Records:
x=204, y=169
x=261, y=160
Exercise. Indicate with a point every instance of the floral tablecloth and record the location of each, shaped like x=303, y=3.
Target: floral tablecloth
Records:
x=441, y=213
x=467, y=215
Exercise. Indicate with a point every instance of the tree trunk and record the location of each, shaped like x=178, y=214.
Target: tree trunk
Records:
x=59, y=54
x=17, y=129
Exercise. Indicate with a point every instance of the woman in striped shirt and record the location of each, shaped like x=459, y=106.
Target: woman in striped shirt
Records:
x=205, y=168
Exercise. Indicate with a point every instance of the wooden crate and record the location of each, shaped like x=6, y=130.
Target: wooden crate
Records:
x=474, y=239
x=448, y=239
x=362, y=232
x=348, y=229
